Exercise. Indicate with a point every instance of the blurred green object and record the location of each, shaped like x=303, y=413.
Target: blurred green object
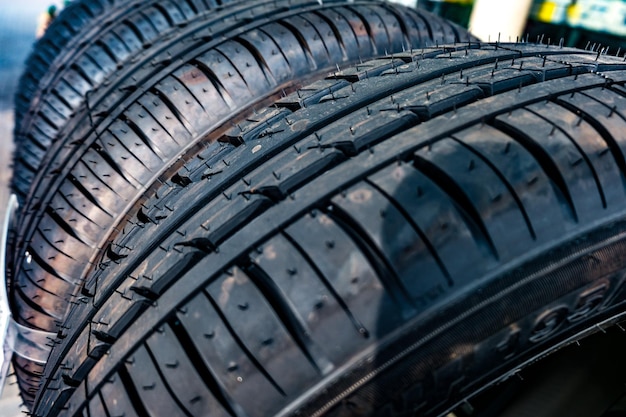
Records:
x=458, y=11
x=52, y=11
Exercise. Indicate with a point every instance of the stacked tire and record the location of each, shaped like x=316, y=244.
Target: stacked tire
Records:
x=310, y=208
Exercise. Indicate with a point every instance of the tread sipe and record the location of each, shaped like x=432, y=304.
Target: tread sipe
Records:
x=384, y=242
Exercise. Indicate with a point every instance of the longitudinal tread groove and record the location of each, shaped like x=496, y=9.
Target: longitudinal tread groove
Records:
x=389, y=279
x=289, y=318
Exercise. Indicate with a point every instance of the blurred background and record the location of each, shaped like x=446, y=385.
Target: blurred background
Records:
x=581, y=23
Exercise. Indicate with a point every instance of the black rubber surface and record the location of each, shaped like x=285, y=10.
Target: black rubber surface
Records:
x=378, y=243
x=103, y=47
x=63, y=30
x=188, y=86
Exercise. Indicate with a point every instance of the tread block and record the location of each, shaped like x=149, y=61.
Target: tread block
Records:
x=230, y=361
x=174, y=91
x=408, y=255
x=153, y=393
x=180, y=374
x=479, y=191
x=524, y=176
x=254, y=321
x=116, y=399
x=593, y=146
x=136, y=145
x=568, y=170
x=348, y=271
x=319, y=308
x=260, y=44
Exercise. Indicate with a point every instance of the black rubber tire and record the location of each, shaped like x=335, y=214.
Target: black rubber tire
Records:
x=136, y=124
x=93, y=54
x=63, y=29
x=386, y=242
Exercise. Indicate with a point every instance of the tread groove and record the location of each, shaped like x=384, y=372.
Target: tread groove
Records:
x=506, y=183
x=604, y=133
x=258, y=57
x=242, y=345
x=463, y=203
x=418, y=230
x=353, y=319
x=172, y=108
x=86, y=193
x=165, y=382
x=287, y=315
x=131, y=390
x=144, y=138
x=584, y=156
x=544, y=160
x=335, y=30
x=63, y=224
x=211, y=76
x=204, y=371
x=372, y=253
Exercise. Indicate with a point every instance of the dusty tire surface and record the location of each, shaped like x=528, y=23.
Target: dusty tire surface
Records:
x=191, y=85
x=94, y=54
x=382, y=242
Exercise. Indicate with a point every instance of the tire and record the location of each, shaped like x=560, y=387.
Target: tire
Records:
x=93, y=54
x=307, y=261
x=192, y=86
x=63, y=29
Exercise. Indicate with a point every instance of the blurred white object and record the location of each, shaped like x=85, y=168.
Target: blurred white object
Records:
x=493, y=18
x=409, y=3
x=7, y=336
